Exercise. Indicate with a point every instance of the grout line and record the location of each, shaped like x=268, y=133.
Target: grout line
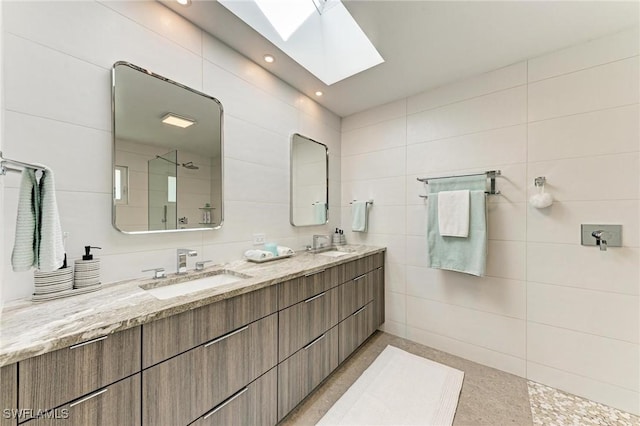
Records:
x=465, y=99
x=466, y=343
x=607, y=154
x=604, y=64
x=576, y=287
x=582, y=113
x=573, y=330
x=579, y=375
x=42, y=117
x=526, y=228
x=469, y=308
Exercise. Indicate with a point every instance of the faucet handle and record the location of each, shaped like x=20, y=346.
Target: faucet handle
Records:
x=157, y=272
x=200, y=264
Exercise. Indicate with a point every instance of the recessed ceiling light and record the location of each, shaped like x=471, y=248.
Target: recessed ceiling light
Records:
x=184, y=2
x=269, y=59
x=318, y=93
x=178, y=121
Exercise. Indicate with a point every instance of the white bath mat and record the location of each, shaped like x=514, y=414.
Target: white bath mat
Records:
x=399, y=389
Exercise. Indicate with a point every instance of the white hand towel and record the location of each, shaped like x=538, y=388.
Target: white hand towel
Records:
x=453, y=213
x=359, y=216
x=257, y=254
x=51, y=250
x=284, y=251
x=25, y=252
x=319, y=213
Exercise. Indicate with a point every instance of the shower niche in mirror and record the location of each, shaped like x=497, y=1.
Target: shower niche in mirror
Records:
x=167, y=170
x=309, y=182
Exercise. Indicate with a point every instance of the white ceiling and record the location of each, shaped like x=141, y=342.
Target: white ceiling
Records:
x=427, y=44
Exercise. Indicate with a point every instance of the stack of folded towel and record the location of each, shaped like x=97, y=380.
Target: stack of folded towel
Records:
x=263, y=255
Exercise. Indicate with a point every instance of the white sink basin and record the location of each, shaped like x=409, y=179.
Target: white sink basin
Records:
x=169, y=291
x=333, y=253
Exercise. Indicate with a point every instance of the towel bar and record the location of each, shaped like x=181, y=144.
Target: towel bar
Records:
x=4, y=170
x=491, y=174
x=369, y=203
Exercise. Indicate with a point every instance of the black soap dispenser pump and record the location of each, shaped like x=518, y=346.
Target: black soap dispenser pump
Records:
x=87, y=252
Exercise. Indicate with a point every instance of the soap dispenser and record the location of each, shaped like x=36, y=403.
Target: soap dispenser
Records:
x=87, y=271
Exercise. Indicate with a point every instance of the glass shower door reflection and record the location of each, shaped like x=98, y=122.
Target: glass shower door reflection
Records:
x=163, y=207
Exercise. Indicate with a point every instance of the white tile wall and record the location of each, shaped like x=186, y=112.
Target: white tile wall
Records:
x=549, y=309
x=57, y=60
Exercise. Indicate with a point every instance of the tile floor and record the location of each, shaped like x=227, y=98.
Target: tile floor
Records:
x=488, y=396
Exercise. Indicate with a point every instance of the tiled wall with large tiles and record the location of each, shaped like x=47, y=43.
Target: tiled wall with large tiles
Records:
x=549, y=309
x=57, y=91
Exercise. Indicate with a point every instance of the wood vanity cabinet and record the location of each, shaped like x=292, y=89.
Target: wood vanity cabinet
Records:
x=183, y=388
x=249, y=359
x=50, y=380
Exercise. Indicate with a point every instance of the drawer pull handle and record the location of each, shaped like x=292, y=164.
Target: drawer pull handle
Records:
x=311, y=299
x=316, y=340
x=88, y=342
x=314, y=273
x=223, y=404
x=359, y=277
x=88, y=397
x=359, y=310
x=226, y=336
x=378, y=268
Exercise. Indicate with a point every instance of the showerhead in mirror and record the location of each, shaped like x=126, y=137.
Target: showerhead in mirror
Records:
x=188, y=165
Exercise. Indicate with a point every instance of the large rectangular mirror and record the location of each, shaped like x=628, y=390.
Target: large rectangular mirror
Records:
x=309, y=182
x=167, y=170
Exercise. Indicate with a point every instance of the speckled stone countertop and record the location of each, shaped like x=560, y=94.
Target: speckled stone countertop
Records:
x=28, y=329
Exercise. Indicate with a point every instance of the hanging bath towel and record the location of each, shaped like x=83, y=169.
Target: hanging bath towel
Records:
x=51, y=250
x=25, y=248
x=467, y=255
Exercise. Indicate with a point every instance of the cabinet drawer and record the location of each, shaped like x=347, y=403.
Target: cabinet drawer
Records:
x=117, y=404
x=255, y=404
x=355, y=294
x=296, y=290
x=304, y=321
x=52, y=379
x=355, y=330
x=170, y=336
x=236, y=359
x=182, y=388
x=8, y=393
x=306, y=369
x=366, y=264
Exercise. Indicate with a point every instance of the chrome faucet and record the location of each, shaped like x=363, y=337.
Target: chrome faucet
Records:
x=182, y=259
x=600, y=241
x=315, y=241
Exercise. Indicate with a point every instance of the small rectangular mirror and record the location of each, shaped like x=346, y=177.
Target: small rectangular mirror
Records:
x=167, y=151
x=309, y=182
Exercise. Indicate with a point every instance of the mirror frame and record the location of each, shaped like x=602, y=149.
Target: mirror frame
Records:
x=326, y=163
x=113, y=151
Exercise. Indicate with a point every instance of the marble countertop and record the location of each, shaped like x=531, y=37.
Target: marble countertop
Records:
x=28, y=329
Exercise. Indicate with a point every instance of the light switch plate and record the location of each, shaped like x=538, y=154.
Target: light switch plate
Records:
x=611, y=233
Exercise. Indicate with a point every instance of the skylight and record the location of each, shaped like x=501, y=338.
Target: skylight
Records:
x=286, y=16
x=331, y=45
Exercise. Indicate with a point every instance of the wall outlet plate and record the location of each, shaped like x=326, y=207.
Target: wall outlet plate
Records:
x=612, y=233
x=258, y=239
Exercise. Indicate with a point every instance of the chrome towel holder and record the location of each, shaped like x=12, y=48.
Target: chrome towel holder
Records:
x=490, y=174
x=4, y=169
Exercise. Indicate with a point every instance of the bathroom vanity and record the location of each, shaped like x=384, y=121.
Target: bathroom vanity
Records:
x=245, y=353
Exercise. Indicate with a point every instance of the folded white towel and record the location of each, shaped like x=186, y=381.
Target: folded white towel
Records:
x=51, y=249
x=284, y=251
x=25, y=250
x=257, y=254
x=453, y=213
x=359, y=216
